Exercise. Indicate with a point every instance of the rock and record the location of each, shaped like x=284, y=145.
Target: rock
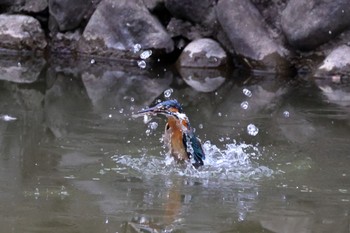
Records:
x=153, y=4
x=178, y=27
x=247, y=33
x=197, y=11
x=338, y=61
x=196, y=58
x=69, y=14
x=116, y=26
x=310, y=23
x=20, y=32
x=202, y=80
x=20, y=69
x=34, y=6
x=65, y=43
x=203, y=53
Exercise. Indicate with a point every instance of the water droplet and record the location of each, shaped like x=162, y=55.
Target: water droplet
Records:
x=141, y=64
x=92, y=61
x=219, y=114
x=153, y=125
x=7, y=118
x=247, y=92
x=200, y=126
x=221, y=139
x=110, y=115
x=146, y=119
x=137, y=48
x=286, y=114
x=145, y=54
x=168, y=92
x=148, y=132
x=132, y=99
x=245, y=105
x=121, y=110
x=252, y=130
x=19, y=64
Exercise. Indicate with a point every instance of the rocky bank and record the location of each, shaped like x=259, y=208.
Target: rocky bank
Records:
x=274, y=35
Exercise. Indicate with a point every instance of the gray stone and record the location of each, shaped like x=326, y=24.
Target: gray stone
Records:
x=153, y=4
x=69, y=14
x=203, y=53
x=20, y=69
x=310, y=23
x=202, y=80
x=116, y=26
x=247, y=32
x=197, y=11
x=338, y=61
x=34, y=6
x=20, y=32
x=178, y=27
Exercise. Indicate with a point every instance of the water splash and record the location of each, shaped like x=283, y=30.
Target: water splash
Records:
x=234, y=162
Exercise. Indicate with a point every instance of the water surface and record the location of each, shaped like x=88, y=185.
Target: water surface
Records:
x=74, y=160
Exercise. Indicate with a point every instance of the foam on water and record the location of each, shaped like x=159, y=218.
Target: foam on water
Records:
x=234, y=162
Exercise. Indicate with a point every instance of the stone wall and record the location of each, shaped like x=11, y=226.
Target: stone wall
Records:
x=275, y=35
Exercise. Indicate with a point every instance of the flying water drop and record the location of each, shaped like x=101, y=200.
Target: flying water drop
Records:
x=245, y=105
x=137, y=48
x=141, y=64
x=7, y=118
x=153, y=125
x=145, y=54
x=252, y=130
x=286, y=114
x=168, y=92
x=146, y=119
x=247, y=92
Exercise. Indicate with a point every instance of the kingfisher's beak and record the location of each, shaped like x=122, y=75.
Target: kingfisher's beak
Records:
x=153, y=111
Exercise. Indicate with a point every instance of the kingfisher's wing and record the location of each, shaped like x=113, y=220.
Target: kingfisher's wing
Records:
x=196, y=152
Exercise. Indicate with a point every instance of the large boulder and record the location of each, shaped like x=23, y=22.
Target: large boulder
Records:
x=310, y=23
x=69, y=14
x=20, y=69
x=20, y=32
x=247, y=32
x=202, y=65
x=116, y=26
x=206, y=53
x=197, y=11
x=337, y=62
x=33, y=6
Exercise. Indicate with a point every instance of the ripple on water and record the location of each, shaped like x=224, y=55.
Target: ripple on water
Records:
x=235, y=162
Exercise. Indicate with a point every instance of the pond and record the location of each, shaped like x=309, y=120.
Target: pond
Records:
x=74, y=160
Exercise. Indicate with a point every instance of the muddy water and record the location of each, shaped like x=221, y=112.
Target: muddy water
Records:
x=72, y=159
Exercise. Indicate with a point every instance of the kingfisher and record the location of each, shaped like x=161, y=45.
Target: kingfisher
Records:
x=179, y=136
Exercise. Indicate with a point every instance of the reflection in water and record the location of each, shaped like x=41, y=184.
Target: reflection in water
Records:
x=74, y=160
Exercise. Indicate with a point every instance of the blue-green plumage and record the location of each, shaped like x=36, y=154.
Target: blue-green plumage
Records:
x=179, y=136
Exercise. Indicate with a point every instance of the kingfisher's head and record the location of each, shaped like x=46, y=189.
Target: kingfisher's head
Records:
x=169, y=108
